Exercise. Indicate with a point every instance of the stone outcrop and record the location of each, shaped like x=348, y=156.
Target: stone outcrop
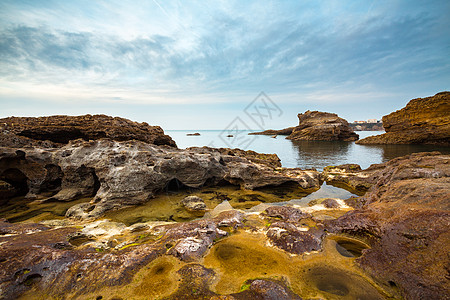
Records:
x=119, y=174
x=421, y=121
x=56, y=131
x=317, y=126
x=285, y=131
x=367, y=126
x=405, y=216
x=194, y=203
x=322, y=126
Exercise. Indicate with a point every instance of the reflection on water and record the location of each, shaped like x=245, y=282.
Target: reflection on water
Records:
x=307, y=154
x=319, y=154
x=392, y=151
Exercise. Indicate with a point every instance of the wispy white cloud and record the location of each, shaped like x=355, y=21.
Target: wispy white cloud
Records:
x=175, y=52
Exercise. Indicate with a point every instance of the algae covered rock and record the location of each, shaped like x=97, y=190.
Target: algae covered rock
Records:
x=194, y=203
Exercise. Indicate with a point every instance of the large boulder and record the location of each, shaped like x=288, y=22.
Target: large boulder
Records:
x=55, y=131
x=322, y=126
x=422, y=121
x=405, y=215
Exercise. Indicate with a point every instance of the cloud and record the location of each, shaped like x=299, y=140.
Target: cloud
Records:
x=194, y=52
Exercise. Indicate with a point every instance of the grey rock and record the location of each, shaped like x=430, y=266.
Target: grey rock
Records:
x=194, y=203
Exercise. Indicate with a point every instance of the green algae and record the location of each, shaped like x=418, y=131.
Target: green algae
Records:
x=326, y=274
x=23, y=210
x=168, y=207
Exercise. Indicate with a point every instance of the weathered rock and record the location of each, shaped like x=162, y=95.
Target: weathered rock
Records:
x=316, y=126
x=55, y=131
x=271, y=160
x=194, y=203
x=294, y=239
x=367, y=126
x=193, y=134
x=330, y=203
x=6, y=190
x=192, y=239
x=285, y=131
x=119, y=174
x=405, y=215
x=322, y=126
x=422, y=121
x=265, y=289
x=51, y=260
x=288, y=214
x=351, y=177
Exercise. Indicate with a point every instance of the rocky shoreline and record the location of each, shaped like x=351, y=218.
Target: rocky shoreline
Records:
x=422, y=121
x=388, y=243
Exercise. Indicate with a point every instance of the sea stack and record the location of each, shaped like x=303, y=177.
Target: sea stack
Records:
x=322, y=126
x=422, y=121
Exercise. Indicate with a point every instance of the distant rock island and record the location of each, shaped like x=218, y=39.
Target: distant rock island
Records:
x=56, y=131
x=367, y=126
x=422, y=121
x=317, y=126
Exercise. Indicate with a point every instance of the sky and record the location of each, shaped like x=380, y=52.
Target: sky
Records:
x=201, y=64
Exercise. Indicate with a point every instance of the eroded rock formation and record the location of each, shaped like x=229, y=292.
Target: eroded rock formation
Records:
x=405, y=215
x=55, y=131
x=118, y=174
x=317, y=126
x=421, y=121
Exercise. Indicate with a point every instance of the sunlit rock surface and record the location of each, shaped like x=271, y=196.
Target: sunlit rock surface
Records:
x=421, y=121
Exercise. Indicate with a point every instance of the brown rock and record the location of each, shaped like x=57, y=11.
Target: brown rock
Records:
x=422, y=121
x=288, y=214
x=405, y=215
x=59, y=130
x=194, y=203
x=264, y=289
x=290, y=238
x=322, y=126
x=285, y=131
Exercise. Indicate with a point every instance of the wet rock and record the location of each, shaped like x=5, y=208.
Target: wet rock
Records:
x=350, y=176
x=288, y=214
x=293, y=239
x=322, y=126
x=405, y=216
x=7, y=228
x=6, y=190
x=265, y=289
x=194, y=203
x=421, y=121
x=189, y=241
x=330, y=203
x=59, y=130
x=195, y=283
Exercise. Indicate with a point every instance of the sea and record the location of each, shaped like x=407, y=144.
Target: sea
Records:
x=302, y=154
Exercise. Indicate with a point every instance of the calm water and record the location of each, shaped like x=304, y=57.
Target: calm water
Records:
x=302, y=154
